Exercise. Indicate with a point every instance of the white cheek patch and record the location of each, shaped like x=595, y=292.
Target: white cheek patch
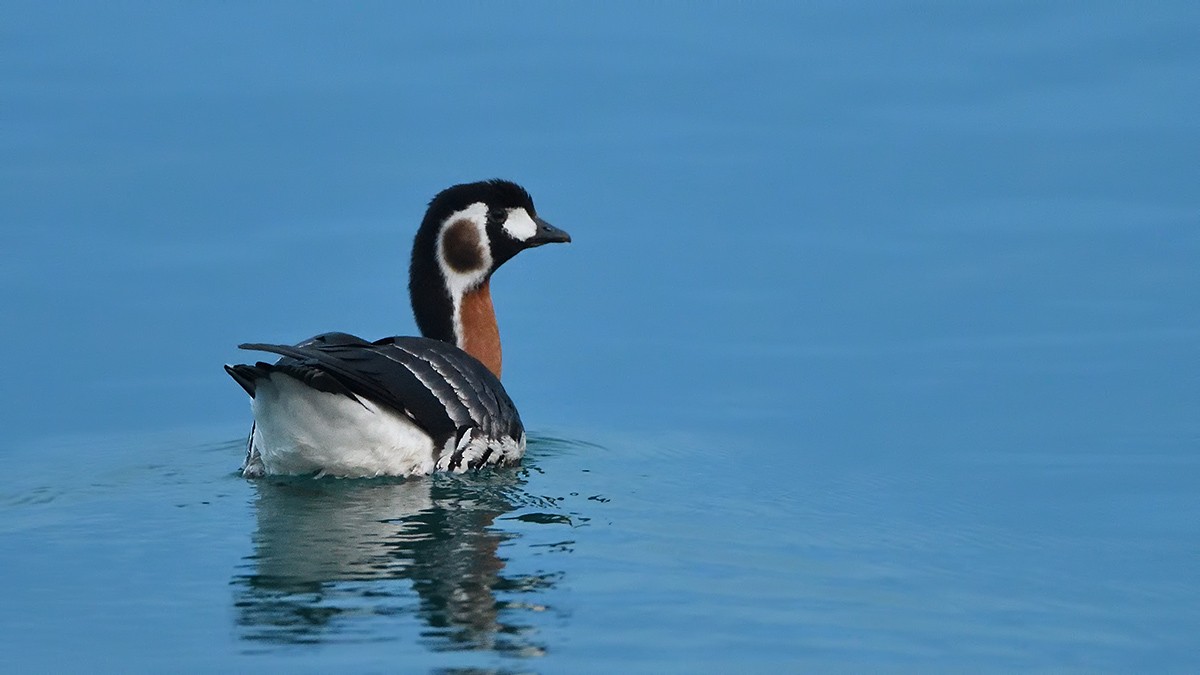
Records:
x=458, y=283
x=476, y=214
x=519, y=225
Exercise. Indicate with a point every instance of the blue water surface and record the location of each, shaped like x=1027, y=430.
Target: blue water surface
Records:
x=877, y=348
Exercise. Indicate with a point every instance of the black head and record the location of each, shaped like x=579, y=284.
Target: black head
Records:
x=500, y=209
x=468, y=232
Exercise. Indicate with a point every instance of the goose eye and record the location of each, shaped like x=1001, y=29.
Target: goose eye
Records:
x=497, y=215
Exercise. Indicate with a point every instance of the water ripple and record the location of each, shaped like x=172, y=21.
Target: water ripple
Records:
x=331, y=558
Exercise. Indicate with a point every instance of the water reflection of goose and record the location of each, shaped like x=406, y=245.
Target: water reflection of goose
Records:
x=337, y=404
x=332, y=556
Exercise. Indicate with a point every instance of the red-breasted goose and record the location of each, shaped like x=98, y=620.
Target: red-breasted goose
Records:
x=336, y=404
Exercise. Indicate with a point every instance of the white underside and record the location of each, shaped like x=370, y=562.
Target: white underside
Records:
x=299, y=430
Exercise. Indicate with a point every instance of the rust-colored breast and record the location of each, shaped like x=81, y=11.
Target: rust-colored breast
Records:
x=481, y=335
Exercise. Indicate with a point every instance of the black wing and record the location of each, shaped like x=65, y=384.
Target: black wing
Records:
x=442, y=388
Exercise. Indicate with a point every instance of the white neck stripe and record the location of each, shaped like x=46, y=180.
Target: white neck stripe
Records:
x=458, y=283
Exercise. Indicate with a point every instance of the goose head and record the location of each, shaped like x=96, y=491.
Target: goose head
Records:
x=468, y=232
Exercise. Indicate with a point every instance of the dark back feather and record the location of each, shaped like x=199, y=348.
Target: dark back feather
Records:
x=442, y=388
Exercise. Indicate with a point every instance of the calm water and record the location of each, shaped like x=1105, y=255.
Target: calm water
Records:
x=876, y=349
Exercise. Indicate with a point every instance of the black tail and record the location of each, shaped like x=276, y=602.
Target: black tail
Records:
x=246, y=375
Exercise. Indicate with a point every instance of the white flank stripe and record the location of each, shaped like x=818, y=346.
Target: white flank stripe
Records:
x=462, y=396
